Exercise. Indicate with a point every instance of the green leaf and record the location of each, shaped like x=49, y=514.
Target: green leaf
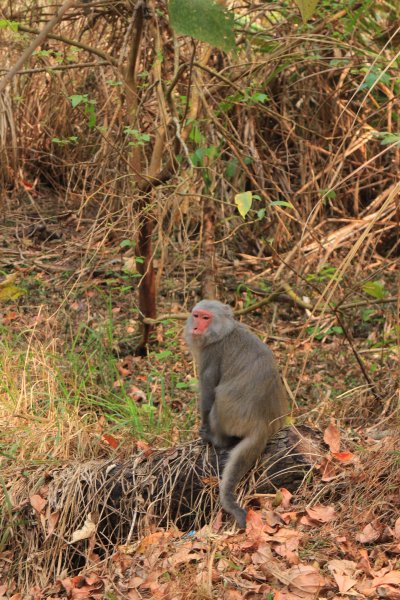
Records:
x=164, y=354
x=78, y=99
x=195, y=134
x=282, y=203
x=337, y=329
x=244, y=201
x=259, y=97
x=231, y=168
x=389, y=138
x=5, y=24
x=204, y=20
x=306, y=8
x=127, y=244
x=182, y=385
x=376, y=289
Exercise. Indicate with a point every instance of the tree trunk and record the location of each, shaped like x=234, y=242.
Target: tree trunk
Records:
x=147, y=286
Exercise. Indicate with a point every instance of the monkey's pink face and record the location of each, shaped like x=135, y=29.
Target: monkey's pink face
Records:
x=201, y=320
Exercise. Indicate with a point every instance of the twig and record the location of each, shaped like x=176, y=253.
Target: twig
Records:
x=35, y=43
x=60, y=38
x=59, y=67
x=371, y=384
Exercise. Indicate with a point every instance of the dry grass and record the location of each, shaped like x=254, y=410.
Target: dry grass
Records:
x=109, y=502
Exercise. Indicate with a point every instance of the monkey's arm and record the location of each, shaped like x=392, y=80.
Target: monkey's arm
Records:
x=209, y=379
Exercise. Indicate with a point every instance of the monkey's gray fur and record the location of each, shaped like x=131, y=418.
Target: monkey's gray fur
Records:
x=242, y=398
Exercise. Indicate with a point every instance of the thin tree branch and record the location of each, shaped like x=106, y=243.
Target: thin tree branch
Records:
x=36, y=42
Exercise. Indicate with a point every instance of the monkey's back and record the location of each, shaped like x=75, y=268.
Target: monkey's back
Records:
x=250, y=383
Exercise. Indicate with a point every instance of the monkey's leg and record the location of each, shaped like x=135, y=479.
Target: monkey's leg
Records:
x=242, y=457
x=217, y=436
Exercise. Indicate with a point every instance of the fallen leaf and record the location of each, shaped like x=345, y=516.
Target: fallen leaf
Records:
x=369, y=534
x=397, y=529
x=273, y=519
x=232, y=594
x=269, y=565
x=343, y=572
x=130, y=264
x=254, y=524
x=110, y=440
x=332, y=437
x=388, y=591
x=123, y=371
x=10, y=316
x=52, y=522
x=144, y=447
x=306, y=580
x=8, y=280
x=321, y=514
x=183, y=556
x=153, y=539
x=37, y=502
x=343, y=456
x=11, y=292
x=287, y=496
x=88, y=529
x=391, y=578
x=136, y=393
x=328, y=470
x=305, y=520
x=288, y=548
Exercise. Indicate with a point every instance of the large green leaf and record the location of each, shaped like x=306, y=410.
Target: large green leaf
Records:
x=244, y=201
x=307, y=8
x=204, y=20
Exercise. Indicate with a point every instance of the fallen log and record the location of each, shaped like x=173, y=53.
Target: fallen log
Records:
x=91, y=507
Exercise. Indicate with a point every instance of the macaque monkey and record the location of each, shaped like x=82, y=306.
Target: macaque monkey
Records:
x=242, y=398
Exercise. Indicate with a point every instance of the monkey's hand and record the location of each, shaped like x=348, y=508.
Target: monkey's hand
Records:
x=205, y=434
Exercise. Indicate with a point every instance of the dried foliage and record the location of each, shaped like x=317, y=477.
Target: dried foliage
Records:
x=299, y=122
x=110, y=504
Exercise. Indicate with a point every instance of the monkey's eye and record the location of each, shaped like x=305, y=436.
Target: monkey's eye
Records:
x=205, y=318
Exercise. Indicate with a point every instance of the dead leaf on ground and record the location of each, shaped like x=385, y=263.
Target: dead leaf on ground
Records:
x=391, y=578
x=369, y=534
x=136, y=393
x=344, y=574
x=397, y=529
x=306, y=580
x=344, y=456
x=232, y=594
x=328, y=470
x=157, y=538
x=282, y=498
x=321, y=514
x=88, y=529
x=37, y=502
x=144, y=447
x=288, y=549
x=254, y=527
x=52, y=522
x=269, y=565
x=110, y=440
x=332, y=437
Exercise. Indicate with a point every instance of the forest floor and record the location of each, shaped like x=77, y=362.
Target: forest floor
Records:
x=72, y=390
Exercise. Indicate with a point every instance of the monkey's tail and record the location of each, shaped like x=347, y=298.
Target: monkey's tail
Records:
x=241, y=458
